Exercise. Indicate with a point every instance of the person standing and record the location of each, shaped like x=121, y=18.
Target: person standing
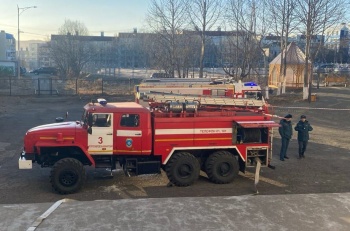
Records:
x=286, y=132
x=303, y=128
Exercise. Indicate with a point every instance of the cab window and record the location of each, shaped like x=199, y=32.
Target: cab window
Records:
x=129, y=120
x=101, y=120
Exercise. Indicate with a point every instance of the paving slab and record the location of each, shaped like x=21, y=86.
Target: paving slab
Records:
x=261, y=212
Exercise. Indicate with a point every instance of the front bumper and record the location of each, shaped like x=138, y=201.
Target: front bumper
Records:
x=23, y=163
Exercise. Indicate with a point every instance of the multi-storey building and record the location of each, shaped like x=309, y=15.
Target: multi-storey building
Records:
x=8, y=61
x=101, y=50
x=337, y=38
x=221, y=46
x=7, y=47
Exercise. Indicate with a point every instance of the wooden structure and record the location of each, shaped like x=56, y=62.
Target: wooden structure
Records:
x=295, y=62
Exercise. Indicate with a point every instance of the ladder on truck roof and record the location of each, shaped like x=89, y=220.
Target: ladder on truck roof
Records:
x=207, y=101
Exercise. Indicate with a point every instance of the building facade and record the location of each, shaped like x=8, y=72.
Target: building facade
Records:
x=7, y=47
x=337, y=39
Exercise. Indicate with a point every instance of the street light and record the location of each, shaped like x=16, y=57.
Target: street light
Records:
x=20, y=10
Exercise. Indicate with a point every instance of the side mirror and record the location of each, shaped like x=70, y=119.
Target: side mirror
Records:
x=90, y=120
x=89, y=130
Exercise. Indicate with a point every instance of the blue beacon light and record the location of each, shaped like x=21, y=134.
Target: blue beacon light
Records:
x=101, y=101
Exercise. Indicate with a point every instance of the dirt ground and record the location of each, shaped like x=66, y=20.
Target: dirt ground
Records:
x=324, y=170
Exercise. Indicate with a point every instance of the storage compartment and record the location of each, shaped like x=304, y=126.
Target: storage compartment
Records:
x=258, y=152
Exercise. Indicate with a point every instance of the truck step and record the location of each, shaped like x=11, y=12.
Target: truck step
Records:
x=103, y=165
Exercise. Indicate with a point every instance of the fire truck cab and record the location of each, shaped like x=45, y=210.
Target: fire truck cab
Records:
x=180, y=137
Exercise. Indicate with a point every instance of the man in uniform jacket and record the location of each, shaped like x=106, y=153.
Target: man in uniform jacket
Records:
x=286, y=132
x=303, y=127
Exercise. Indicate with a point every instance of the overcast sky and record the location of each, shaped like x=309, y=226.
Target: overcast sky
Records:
x=110, y=16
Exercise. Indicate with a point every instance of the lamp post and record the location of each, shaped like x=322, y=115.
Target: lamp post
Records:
x=20, y=10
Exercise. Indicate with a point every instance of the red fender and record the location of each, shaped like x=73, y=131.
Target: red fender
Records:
x=48, y=144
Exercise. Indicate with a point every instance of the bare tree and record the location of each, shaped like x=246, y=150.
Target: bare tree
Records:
x=282, y=18
x=73, y=27
x=204, y=15
x=316, y=16
x=243, y=47
x=187, y=55
x=167, y=19
x=69, y=50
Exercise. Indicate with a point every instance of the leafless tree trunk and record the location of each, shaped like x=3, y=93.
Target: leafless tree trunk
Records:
x=187, y=56
x=315, y=17
x=282, y=18
x=245, y=48
x=167, y=19
x=204, y=14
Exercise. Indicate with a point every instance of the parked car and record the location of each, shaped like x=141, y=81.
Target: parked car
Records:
x=324, y=68
x=341, y=69
x=45, y=70
x=160, y=75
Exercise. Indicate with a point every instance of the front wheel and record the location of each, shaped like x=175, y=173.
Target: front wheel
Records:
x=221, y=167
x=182, y=169
x=67, y=176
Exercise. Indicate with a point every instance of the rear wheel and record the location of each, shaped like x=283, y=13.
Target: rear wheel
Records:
x=182, y=169
x=67, y=176
x=221, y=167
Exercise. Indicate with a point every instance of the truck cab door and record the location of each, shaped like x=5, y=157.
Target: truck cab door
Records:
x=129, y=134
x=100, y=141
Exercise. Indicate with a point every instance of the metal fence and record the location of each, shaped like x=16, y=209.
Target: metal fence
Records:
x=53, y=86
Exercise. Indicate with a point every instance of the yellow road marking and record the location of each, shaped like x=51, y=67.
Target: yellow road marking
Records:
x=251, y=176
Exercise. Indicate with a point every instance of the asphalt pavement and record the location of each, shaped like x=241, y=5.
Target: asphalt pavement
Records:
x=311, y=194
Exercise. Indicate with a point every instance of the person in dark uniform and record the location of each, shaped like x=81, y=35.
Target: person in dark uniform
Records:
x=303, y=128
x=286, y=132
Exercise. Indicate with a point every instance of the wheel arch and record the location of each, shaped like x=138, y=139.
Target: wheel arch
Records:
x=52, y=154
x=193, y=150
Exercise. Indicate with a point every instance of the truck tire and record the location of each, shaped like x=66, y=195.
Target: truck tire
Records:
x=221, y=167
x=182, y=169
x=67, y=176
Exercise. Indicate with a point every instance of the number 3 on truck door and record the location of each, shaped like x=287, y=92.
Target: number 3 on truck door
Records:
x=100, y=141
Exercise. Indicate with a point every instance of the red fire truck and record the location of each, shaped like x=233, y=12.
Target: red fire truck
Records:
x=220, y=137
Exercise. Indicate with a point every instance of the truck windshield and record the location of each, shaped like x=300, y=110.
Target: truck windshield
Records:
x=84, y=118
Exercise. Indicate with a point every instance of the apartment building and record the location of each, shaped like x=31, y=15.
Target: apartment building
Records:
x=7, y=47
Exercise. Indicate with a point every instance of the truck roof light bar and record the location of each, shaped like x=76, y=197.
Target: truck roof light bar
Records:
x=101, y=101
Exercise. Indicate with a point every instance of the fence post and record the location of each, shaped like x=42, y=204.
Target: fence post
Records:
x=38, y=86
x=10, y=85
x=50, y=86
x=102, y=86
